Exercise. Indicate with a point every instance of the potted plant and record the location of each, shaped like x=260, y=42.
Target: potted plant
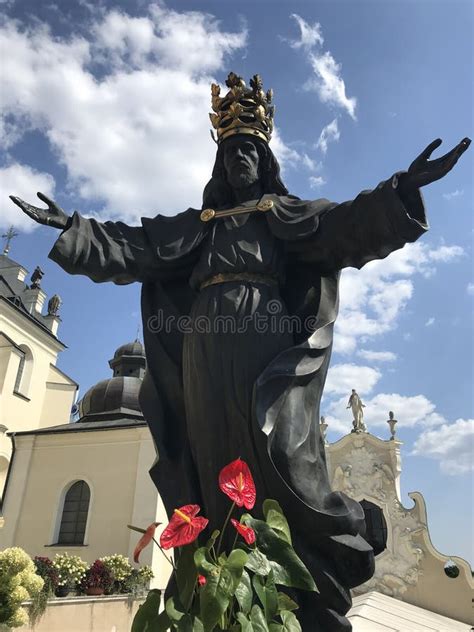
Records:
x=49, y=575
x=121, y=570
x=220, y=586
x=138, y=581
x=71, y=570
x=145, y=575
x=97, y=579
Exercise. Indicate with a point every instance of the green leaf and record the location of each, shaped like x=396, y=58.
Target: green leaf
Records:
x=185, y=624
x=258, y=563
x=276, y=627
x=286, y=603
x=288, y=569
x=267, y=593
x=290, y=622
x=245, y=624
x=186, y=574
x=257, y=618
x=276, y=519
x=174, y=610
x=190, y=624
x=147, y=614
x=221, y=583
x=197, y=625
x=243, y=593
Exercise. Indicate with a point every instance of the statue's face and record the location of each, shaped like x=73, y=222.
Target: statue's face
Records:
x=241, y=162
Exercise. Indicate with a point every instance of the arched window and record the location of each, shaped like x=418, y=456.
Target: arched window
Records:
x=74, y=516
x=376, y=527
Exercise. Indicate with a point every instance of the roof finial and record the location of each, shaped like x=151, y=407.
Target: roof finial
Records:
x=8, y=236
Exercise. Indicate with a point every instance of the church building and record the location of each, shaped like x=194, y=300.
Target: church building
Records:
x=69, y=485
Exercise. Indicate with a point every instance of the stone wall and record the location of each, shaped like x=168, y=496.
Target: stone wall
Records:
x=112, y=613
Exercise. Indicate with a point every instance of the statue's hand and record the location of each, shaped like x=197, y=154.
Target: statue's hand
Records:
x=423, y=171
x=52, y=216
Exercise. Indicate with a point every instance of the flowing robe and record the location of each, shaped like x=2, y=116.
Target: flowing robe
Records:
x=210, y=395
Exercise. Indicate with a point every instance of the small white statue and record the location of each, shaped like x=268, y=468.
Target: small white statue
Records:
x=356, y=404
x=323, y=428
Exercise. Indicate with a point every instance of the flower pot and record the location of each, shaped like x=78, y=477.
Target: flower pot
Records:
x=62, y=591
x=94, y=590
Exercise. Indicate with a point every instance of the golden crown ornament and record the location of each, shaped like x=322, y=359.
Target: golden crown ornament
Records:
x=242, y=110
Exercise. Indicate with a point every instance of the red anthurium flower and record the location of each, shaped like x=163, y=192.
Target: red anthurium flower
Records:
x=184, y=527
x=247, y=533
x=145, y=540
x=201, y=580
x=236, y=481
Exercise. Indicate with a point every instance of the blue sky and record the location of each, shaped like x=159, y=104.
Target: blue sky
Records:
x=105, y=107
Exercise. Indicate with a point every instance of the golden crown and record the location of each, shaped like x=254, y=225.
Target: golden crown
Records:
x=242, y=110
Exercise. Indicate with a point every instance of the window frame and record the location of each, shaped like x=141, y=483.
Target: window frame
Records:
x=56, y=531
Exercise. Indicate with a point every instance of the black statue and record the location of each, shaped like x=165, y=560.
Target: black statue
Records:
x=36, y=277
x=54, y=304
x=254, y=255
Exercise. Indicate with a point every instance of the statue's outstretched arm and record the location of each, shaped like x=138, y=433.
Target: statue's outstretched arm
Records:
x=108, y=251
x=380, y=221
x=52, y=216
x=423, y=171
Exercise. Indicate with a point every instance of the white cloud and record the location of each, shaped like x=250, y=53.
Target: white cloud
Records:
x=290, y=158
x=337, y=425
x=309, y=163
x=328, y=84
x=135, y=140
x=344, y=377
x=326, y=80
x=470, y=289
x=410, y=411
x=453, y=194
x=23, y=181
x=373, y=298
x=286, y=156
x=310, y=36
x=316, y=181
x=451, y=444
x=430, y=322
x=377, y=356
x=188, y=41
x=330, y=133
x=446, y=253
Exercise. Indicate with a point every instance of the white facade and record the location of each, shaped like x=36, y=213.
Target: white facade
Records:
x=34, y=392
x=409, y=568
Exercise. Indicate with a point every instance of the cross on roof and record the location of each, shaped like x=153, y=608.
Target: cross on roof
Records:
x=8, y=236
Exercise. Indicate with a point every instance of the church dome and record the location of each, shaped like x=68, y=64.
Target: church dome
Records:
x=134, y=348
x=111, y=399
x=117, y=397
